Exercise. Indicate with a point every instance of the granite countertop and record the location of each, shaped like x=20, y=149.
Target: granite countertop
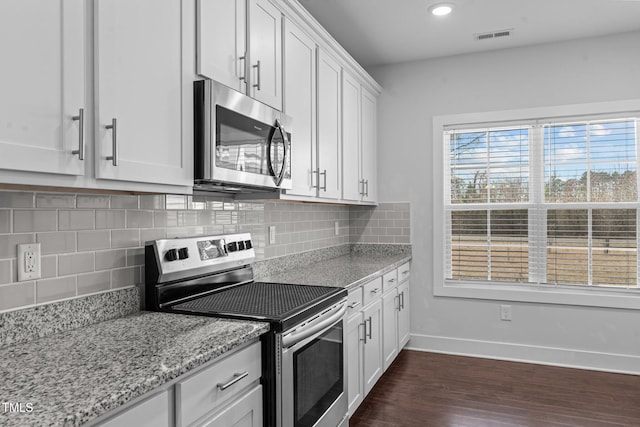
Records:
x=346, y=271
x=75, y=376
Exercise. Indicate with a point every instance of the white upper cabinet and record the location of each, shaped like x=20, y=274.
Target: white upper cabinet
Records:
x=42, y=82
x=329, y=127
x=139, y=92
x=369, y=125
x=300, y=104
x=352, y=185
x=239, y=44
x=265, y=53
x=221, y=41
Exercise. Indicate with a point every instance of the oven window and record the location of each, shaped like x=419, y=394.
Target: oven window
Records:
x=318, y=376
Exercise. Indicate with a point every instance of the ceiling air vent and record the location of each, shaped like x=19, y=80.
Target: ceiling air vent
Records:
x=493, y=34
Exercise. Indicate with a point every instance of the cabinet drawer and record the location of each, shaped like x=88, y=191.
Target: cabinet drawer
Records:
x=390, y=280
x=354, y=300
x=153, y=412
x=372, y=290
x=404, y=271
x=203, y=392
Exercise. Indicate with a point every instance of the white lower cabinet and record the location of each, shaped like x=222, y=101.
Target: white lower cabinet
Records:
x=244, y=412
x=377, y=332
x=152, y=412
x=222, y=393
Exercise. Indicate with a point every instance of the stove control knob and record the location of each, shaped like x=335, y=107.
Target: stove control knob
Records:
x=171, y=255
x=241, y=245
x=232, y=247
x=183, y=253
x=247, y=244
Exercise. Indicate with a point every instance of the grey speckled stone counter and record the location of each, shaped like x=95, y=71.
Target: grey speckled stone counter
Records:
x=347, y=271
x=78, y=375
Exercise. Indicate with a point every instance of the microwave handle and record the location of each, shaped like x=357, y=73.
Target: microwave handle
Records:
x=283, y=170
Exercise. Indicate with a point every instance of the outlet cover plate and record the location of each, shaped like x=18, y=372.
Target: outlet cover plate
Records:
x=28, y=265
x=272, y=234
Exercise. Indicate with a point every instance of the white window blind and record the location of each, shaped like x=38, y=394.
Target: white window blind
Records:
x=553, y=203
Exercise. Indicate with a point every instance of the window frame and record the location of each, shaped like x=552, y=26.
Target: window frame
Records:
x=595, y=296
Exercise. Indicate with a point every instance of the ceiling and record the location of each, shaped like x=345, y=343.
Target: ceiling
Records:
x=379, y=32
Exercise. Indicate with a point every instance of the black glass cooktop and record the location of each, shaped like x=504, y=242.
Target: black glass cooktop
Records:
x=281, y=304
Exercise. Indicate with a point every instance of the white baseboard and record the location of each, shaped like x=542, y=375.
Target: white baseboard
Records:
x=597, y=361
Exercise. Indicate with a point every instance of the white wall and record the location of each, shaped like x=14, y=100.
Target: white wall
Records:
x=583, y=71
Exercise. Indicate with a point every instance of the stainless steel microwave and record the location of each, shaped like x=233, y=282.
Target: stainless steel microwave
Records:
x=240, y=144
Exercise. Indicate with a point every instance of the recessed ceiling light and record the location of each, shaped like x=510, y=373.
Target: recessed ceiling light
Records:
x=441, y=9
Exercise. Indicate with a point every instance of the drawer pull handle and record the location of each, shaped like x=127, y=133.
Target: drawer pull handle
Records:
x=354, y=304
x=375, y=291
x=392, y=280
x=405, y=272
x=235, y=379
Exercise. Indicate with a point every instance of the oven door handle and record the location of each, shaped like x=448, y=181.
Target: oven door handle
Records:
x=306, y=331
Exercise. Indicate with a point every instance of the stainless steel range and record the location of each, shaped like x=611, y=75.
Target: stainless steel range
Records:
x=304, y=379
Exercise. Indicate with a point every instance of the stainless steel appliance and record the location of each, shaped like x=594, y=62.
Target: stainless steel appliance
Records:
x=240, y=144
x=304, y=378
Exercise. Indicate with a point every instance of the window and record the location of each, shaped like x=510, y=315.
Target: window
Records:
x=551, y=203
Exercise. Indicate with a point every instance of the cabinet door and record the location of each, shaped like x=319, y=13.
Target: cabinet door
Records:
x=300, y=104
x=41, y=85
x=265, y=53
x=351, y=173
x=390, y=305
x=373, y=346
x=153, y=412
x=369, y=145
x=329, y=127
x=246, y=411
x=404, y=315
x=221, y=41
x=139, y=92
x=355, y=349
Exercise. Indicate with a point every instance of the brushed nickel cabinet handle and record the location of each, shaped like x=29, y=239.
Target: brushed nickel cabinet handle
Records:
x=235, y=379
x=375, y=291
x=402, y=300
x=366, y=192
x=324, y=187
x=392, y=280
x=243, y=77
x=365, y=328
x=257, y=66
x=364, y=336
x=114, y=142
x=80, y=119
x=354, y=304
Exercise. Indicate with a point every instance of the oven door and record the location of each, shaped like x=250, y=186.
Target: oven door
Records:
x=313, y=389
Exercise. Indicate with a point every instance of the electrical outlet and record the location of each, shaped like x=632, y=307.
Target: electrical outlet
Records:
x=505, y=312
x=272, y=234
x=28, y=261
x=337, y=228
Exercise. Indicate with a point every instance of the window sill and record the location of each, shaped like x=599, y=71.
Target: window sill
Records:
x=579, y=296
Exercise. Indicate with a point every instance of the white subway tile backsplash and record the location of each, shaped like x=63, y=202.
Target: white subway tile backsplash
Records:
x=152, y=202
x=49, y=267
x=17, y=199
x=9, y=242
x=139, y=219
x=110, y=219
x=125, y=238
x=5, y=271
x=76, y=220
x=124, y=202
x=52, y=200
x=55, y=289
x=56, y=243
x=34, y=220
x=82, y=262
x=99, y=244
x=94, y=282
x=108, y=260
x=17, y=295
x=85, y=201
x=94, y=240
x=5, y=221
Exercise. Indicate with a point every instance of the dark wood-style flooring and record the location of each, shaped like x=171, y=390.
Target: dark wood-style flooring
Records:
x=429, y=389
